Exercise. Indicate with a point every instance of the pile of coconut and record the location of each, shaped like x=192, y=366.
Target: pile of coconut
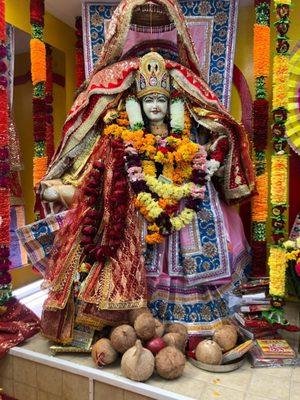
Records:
x=210, y=351
x=145, y=345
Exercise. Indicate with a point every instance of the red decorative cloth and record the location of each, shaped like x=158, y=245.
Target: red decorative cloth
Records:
x=17, y=324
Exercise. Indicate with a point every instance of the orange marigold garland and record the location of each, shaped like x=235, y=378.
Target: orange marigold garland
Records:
x=261, y=59
x=38, y=73
x=261, y=70
x=5, y=277
x=279, y=172
x=38, y=61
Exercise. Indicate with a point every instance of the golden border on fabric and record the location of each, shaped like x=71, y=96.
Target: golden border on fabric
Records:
x=104, y=283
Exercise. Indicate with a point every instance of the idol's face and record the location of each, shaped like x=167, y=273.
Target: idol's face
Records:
x=155, y=107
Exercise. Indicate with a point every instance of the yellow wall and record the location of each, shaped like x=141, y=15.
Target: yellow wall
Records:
x=56, y=33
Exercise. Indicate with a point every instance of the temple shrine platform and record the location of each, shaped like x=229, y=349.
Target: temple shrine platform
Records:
x=31, y=372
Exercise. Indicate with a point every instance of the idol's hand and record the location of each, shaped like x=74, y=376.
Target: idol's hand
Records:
x=59, y=193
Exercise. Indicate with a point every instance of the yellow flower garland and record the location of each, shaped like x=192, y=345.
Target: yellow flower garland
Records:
x=280, y=81
x=279, y=172
x=168, y=190
x=289, y=2
x=278, y=265
x=183, y=219
x=151, y=209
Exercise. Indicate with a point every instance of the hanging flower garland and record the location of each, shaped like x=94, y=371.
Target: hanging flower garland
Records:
x=158, y=199
x=261, y=61
x=49, y=105
x=5, y=277
x=38, y=74
x=279, y=167
x=80, y=75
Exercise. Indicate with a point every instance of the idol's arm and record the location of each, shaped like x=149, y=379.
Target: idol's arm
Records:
x=58, y=192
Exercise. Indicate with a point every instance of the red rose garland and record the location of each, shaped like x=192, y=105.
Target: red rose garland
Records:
x=80, y=75
x=5, y=277
x=49, y=107
x=118, y=206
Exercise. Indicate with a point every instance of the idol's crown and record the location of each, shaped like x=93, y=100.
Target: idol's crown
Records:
x=152, y=76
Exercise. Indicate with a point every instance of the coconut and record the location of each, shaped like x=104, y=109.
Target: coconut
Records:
x=175, y=339
x=103, y=352
x=123, y=337
x=159, y=328
x=137, y=363
x=144, y=326
x=133, y=314
x=178, y=328
x=170, y=362
x=209, y=352
x=226, y=336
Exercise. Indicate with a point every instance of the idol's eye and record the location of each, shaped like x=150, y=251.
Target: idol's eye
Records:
x=162, y=99
x=148, y=99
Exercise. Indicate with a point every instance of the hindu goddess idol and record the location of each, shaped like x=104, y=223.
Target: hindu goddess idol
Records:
x=148, y=167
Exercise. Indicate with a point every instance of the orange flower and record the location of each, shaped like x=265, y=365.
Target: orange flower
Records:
x=122, y=122
x=261, y=56
x=260, y=202
x=39, y=169
x=154, y=238
x=38, y=61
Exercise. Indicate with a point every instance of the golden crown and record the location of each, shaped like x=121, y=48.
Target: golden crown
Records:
x=152, y=76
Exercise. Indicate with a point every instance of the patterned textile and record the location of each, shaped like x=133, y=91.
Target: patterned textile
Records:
x=199, y=252
x=212, y=25
x=38, y=238
x=17, y=324
x=18, y=255
x=201, y=308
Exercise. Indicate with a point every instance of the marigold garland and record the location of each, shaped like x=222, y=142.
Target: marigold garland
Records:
x=158, y=199
x=261, y=71
x=280, y=81
x=5, y=277
x=39, y=75
x=38, y=61
x=260, y=203
x=39, y=168
x=277, y=264
x=279, y=167
x=279, y=172
x=261, y=58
